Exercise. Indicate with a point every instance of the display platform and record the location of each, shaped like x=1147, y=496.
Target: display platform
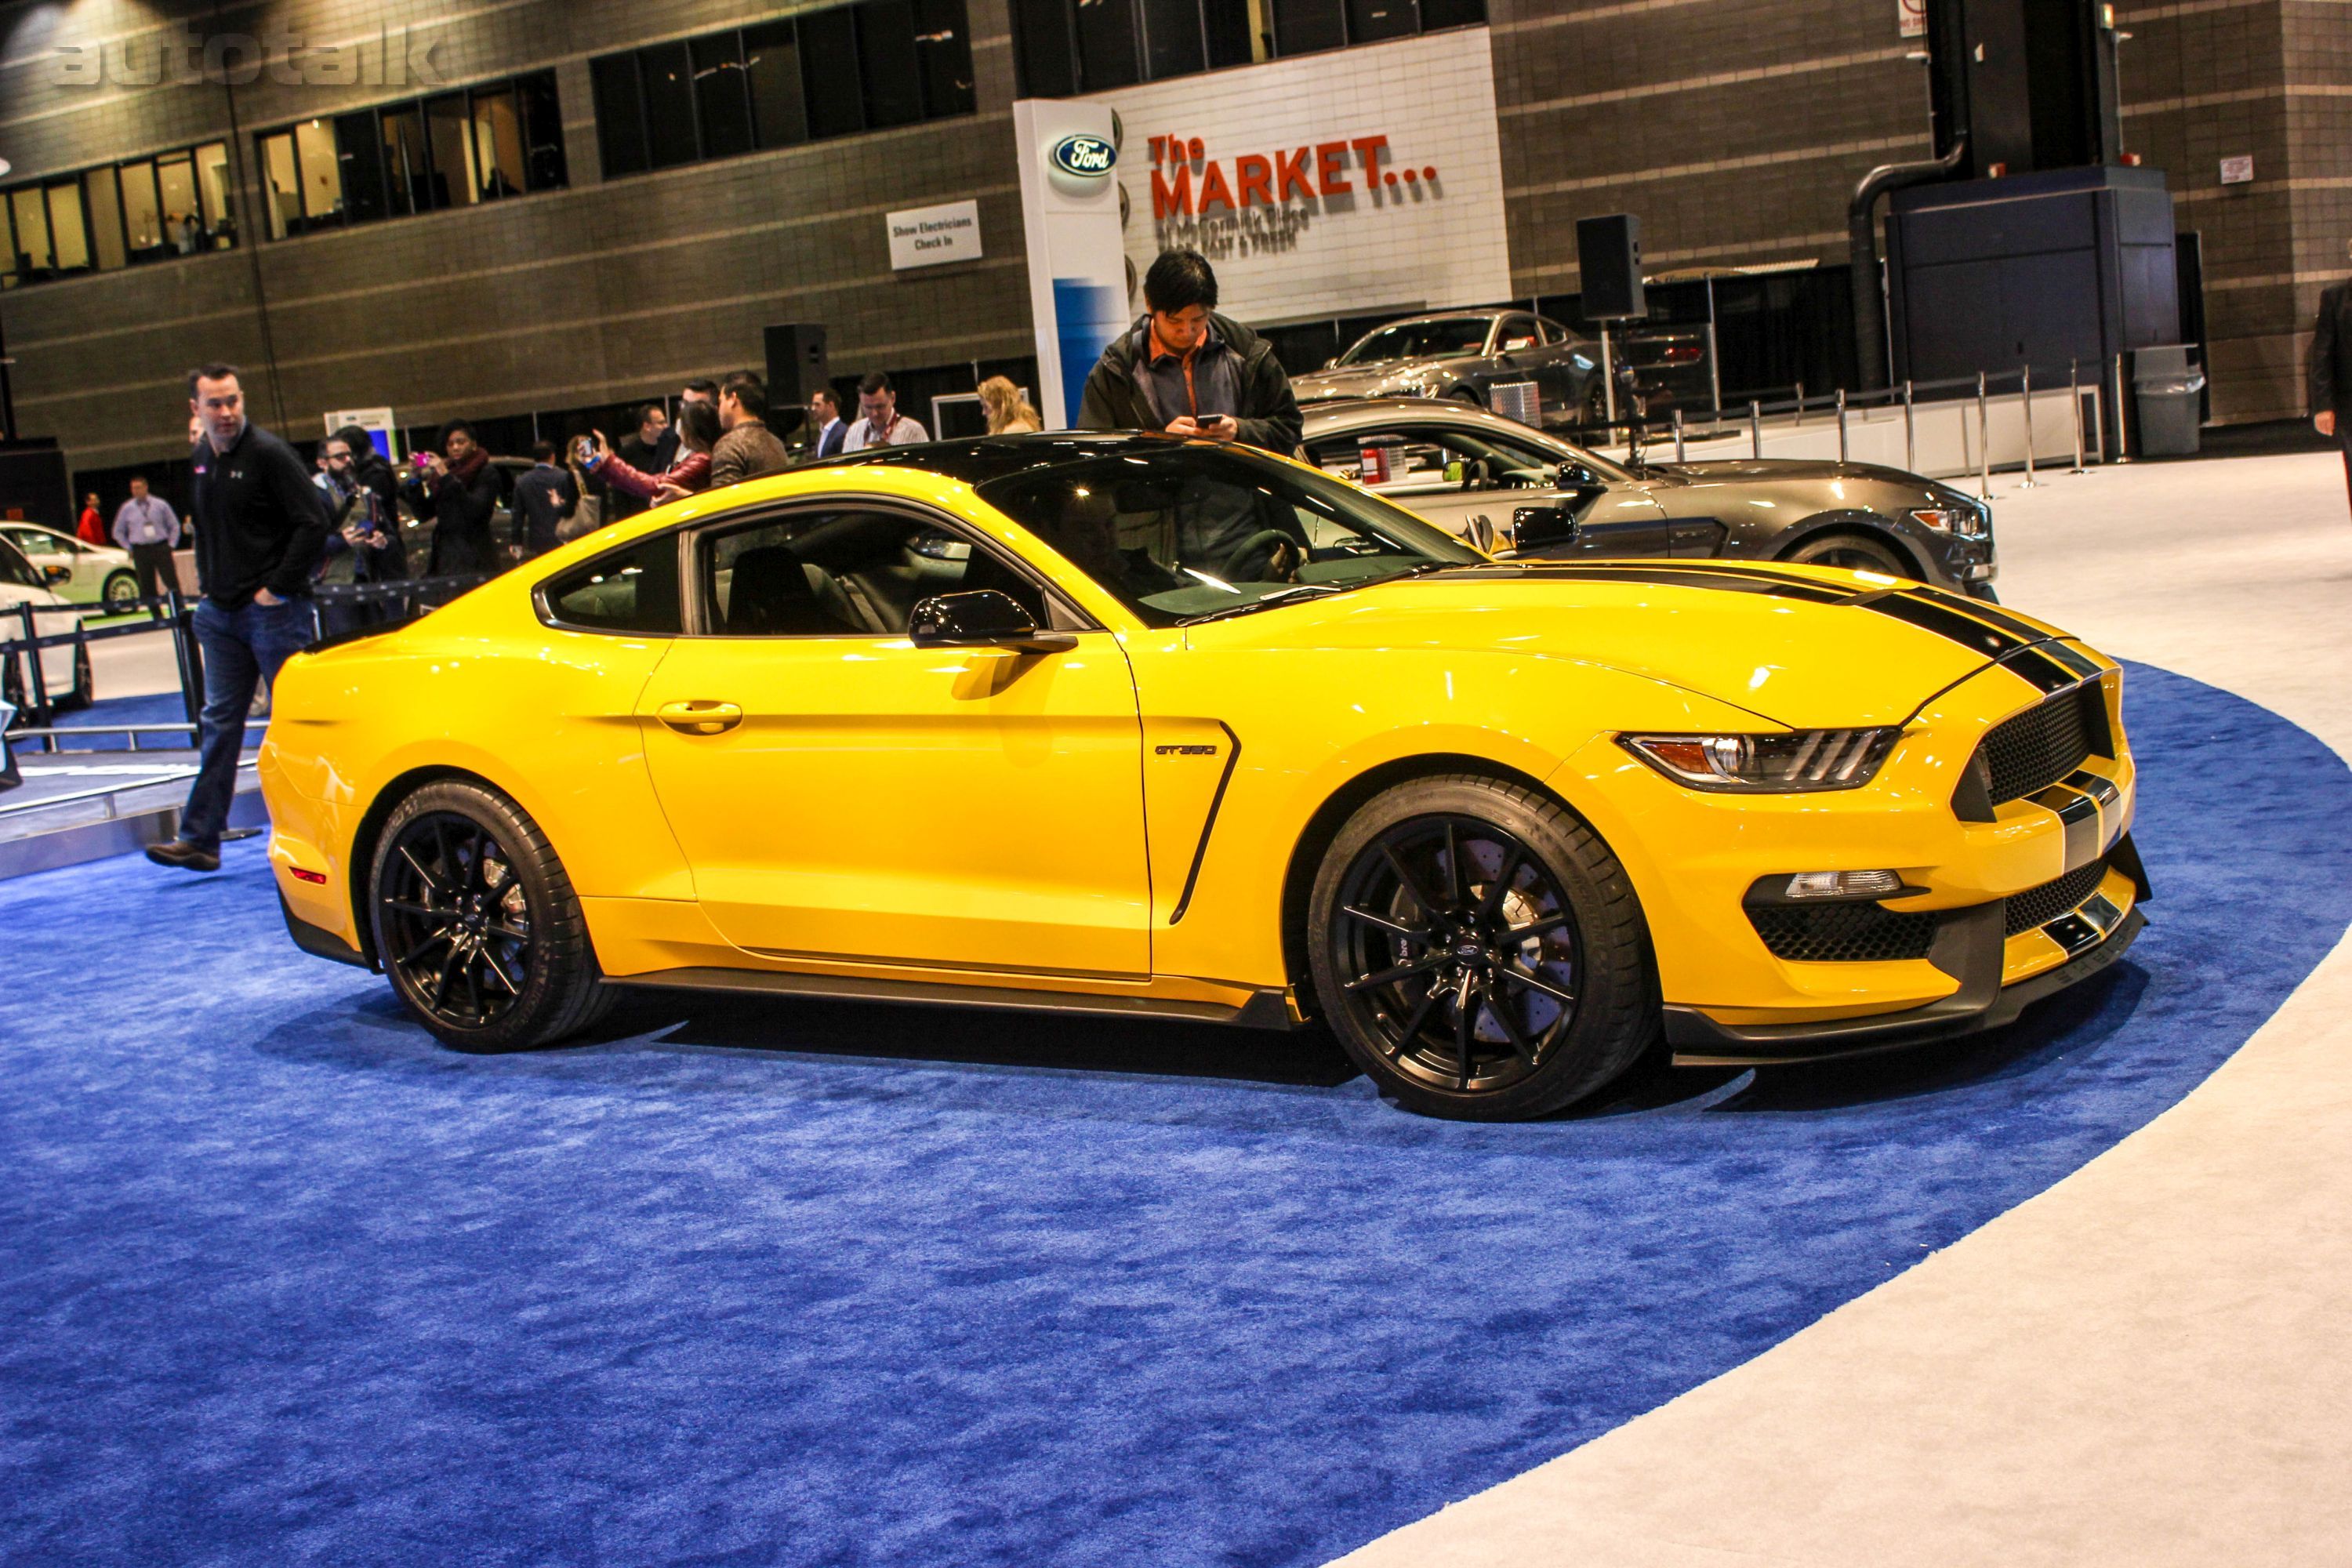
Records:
x=800, y=1282
x=119, y=788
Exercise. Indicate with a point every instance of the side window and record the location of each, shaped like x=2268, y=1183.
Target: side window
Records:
x=14, y=568
x=1553, y=333
x=1517, y=332
x=852, y=573
x=631, y=590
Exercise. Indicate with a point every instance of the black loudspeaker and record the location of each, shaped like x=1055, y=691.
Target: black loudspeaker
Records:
x=1609, y=255
x=795, y=363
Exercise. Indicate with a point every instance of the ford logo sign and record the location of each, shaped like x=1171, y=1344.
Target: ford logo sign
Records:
x=1085, y=155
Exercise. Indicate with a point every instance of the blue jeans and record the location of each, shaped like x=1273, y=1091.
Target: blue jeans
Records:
x=242, y=647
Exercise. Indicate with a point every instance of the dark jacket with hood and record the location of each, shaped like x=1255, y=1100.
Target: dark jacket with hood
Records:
x=1267, y=412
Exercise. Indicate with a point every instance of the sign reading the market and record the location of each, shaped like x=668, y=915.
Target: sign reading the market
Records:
x=1349, y=182
x=1085, y=156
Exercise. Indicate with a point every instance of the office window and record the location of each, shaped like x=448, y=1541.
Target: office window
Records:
x=281, y=189
x=542, y=132
x=101, y=201
x=945, y=53
x=1065, y=46
x=620, y=114
x=407, y=168
x=722, y=104
x=1106, y=53
x=771, y=72
x=359, y=155
x=68, y=236
x=449, y=140
x=829, y=78
x=886, y=63
x=834, y=73
x=1172, y=40
x=212, y=181
x=667, y=75
x=321, y=176
x=103, y=219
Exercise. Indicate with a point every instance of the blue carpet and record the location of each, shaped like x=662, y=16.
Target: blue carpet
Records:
x=736, y=1283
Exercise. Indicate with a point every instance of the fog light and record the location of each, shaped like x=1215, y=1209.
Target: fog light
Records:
x=1844, y=885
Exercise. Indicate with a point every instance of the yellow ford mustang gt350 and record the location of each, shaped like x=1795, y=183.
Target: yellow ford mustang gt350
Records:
x=1137, y=726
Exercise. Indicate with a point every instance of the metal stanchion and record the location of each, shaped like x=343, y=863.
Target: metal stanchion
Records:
x=2123, y=440
x=1910, y=432
x=2031, y=482
x=2074, y=396
x=1984, y=451
x=1678, y=434
x=185, y=655
x=1841, y=416
x=1800, y=403
x=1756, y=427
x=34, y=682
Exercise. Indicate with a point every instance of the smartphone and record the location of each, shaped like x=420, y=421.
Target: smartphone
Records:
x=584, y=448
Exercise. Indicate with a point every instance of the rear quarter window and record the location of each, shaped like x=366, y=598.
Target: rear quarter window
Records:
x=634, y=589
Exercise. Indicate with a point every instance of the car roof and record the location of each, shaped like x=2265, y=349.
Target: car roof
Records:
x=976, y=459
x=1345, y=413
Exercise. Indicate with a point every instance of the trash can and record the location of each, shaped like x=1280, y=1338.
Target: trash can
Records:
x=2167, y=391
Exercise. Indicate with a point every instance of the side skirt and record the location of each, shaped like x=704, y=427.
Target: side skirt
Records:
x=1268, y=1009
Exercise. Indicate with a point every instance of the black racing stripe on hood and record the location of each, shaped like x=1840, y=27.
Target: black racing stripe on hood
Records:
x=1989, y=614
x=1969, y=633
x=1658, y=576
x=2038, y=667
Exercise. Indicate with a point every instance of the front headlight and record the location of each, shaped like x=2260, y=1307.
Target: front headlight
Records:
x=1768, y=764
x=1962, y=518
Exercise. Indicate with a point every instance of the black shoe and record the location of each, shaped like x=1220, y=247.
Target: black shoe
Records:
x=186, y=855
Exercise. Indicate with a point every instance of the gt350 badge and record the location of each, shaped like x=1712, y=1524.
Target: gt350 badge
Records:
x=1186, y=750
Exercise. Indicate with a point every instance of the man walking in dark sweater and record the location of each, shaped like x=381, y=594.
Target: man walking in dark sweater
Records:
x=2331, y=370
x=260, y=527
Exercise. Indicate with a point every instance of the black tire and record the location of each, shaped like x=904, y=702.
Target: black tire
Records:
x=1466, y=393
x=120, y=588
x=477, y=924
x=1577, y=1005
x=85, y=685
x=12, y=689
x=1857, y=551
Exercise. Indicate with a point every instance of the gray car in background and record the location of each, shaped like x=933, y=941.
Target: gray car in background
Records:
x=1463, y=355
x=1479, y=475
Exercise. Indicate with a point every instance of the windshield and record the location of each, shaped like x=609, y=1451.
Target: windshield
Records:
x=1195, y=530
x=1445, y=337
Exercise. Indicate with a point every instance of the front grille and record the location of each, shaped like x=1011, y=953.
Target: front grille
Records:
x=1843, y=933
x=2044, y=743
x=2040, y=906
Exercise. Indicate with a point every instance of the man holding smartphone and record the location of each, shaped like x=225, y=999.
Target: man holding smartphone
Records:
x=1188, y=371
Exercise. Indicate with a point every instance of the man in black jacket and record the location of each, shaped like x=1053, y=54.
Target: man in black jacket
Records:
x=1188, y=371
x=2331, y=371
x=260, y=526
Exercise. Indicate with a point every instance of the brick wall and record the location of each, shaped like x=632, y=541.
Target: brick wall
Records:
x=567, y=298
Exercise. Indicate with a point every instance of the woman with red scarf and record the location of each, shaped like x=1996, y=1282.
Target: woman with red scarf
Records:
x=457, y=491
x=697, y=432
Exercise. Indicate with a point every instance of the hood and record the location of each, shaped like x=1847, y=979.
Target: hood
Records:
x=1800, y=648
x=1391, y=378
x=1736, y=469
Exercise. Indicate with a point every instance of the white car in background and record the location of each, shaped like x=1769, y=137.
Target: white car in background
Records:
x=94, y=574
x=65, y=668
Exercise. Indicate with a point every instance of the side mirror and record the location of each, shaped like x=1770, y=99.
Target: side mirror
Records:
x=1533, y=527
x=57, y=574
x=1575, y=476
x=981, y=618
x=1331, y=363
x=1480, y=532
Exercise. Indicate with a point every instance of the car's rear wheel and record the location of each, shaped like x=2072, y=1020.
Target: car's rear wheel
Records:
x=476, y=923
x=1855, y=550
x=1478, y=952
x=121, y=592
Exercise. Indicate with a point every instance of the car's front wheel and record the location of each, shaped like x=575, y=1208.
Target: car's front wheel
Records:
x=476, y=923
x=121, y=593
x=1478, y=951
x=1856, y=552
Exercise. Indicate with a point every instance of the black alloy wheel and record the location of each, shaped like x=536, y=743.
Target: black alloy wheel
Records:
x=456, y=921
x=1853, y=550
x=477, y=924
x=1478, y=952
x=1463, y=947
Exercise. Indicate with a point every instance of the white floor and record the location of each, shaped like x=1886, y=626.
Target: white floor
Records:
x=2147, y=1364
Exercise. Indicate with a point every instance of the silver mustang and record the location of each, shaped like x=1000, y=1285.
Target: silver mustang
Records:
x=1462, y=354
x=1499, y=483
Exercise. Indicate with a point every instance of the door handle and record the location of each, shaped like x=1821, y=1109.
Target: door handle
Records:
x=700, y=717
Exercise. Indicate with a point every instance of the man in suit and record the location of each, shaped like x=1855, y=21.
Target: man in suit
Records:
x=2331, y=371
x=825, y=417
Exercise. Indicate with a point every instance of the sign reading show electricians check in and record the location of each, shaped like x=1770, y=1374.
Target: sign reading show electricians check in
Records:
x=927, y=236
